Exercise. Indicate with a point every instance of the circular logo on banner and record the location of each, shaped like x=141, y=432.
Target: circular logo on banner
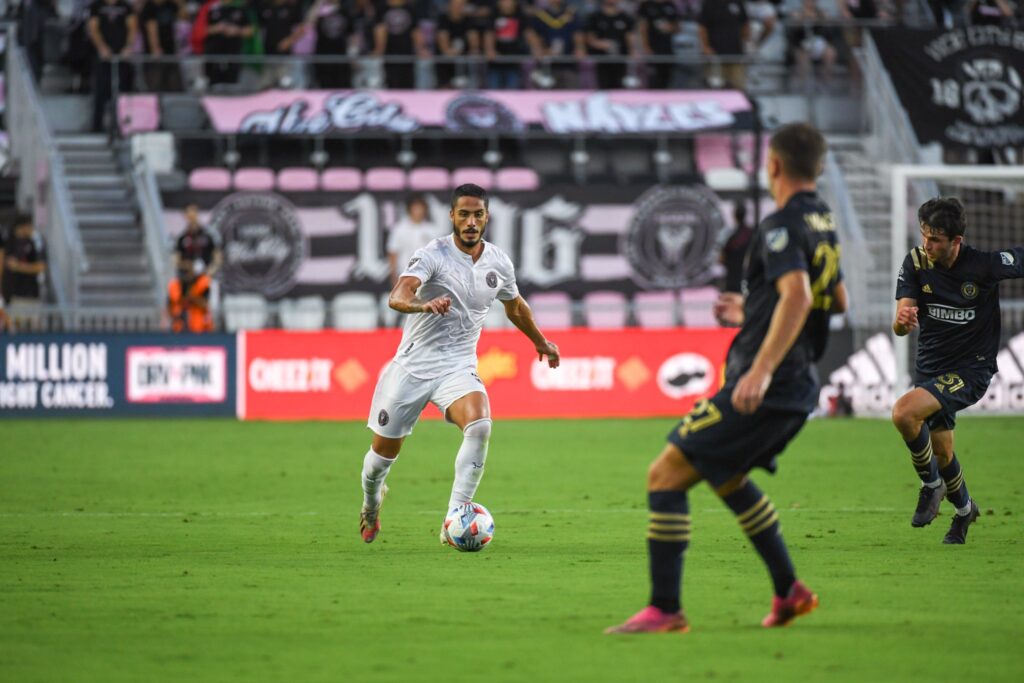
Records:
x=685, y=374
x=991, y=90
x=673, y=239
x=969, y=290
x=262, y=240
x=477, y=112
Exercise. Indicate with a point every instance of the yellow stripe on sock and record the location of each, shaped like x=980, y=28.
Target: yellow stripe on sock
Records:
x=753, y=510
x=764, y=525
x=669, y=516
x=654, y=528
x=768, y=511
x=668, y=538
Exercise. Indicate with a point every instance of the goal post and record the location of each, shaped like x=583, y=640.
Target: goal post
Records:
x=994, y=199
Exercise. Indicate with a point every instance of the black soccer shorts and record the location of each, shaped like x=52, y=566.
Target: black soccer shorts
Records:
x=955, y=391
x=721, y=443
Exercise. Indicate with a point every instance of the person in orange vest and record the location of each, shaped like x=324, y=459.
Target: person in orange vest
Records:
x=188, y=301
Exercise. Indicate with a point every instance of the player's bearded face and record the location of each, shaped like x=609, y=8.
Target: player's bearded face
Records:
x=937, y=246
x=469, y=219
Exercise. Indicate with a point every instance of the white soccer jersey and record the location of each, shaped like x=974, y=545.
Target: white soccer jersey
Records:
x=434, y=345
x=407, y=237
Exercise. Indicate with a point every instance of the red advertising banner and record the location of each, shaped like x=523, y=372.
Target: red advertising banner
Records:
x=616, y=373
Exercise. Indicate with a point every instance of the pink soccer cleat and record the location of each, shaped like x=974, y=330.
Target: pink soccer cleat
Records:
x=800, y=601
x=652, y=620
x=369, y=520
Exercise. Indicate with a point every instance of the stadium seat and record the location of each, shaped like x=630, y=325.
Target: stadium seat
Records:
x=157, y=149
x=307, y=313
x=180, y=112
x=245, y=312
x=552, y=310
x=655, y=310
x=430, y=179
x=254, y=179
x=696, y=306
x=209, y=179
x=354, y=311
x=386, y=179
x=475, y=175
x=605, y=310
x=341, y=180
x=496, y=318
x=727, y=179
x=516, y=180
x=713, y=152
x=297, y=180
x=138, y=114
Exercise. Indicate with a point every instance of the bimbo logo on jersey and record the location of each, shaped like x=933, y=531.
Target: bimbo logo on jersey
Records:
x=949, y=314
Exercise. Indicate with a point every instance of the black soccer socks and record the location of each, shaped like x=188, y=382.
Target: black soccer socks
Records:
x=668, y=535
x=760, y=522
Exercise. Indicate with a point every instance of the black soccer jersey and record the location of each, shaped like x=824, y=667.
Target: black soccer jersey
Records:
x=800, y=236
x=958, y=307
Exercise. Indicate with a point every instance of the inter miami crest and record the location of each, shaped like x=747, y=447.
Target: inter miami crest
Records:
x=383, y=418
x=492, y=279
x=674, y=238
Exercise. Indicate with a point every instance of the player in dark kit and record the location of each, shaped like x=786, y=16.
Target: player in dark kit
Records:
x=955, y=287
x=792, y=284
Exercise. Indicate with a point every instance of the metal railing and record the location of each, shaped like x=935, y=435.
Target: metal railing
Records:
x=154, y=231
x=42, y=184
x=851, y=237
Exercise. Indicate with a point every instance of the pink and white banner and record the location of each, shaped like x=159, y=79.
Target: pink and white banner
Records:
x=316, y=112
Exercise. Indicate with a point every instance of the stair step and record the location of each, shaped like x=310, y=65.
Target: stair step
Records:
x=99, y=196
x=116, y=300
x=111, y=219
x=104, y=180
x=74, y=168
x=119, y=281
x=102, y=235
x=100, y=261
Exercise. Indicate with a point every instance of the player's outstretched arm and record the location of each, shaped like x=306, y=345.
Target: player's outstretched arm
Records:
x=906, y=317
x=519, y=312
x=404, y=300
x=786, y=325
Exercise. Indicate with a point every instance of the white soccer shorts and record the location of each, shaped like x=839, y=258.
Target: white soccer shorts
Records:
x=400, y=398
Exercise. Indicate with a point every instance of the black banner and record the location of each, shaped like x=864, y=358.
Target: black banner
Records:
x=962, y=88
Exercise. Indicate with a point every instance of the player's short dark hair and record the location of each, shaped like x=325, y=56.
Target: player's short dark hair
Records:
x=801, y=149
x=945, y=215
x=21, y=219
x=469, y=190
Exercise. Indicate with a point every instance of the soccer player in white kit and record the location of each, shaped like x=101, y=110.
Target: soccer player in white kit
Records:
x=447, y=288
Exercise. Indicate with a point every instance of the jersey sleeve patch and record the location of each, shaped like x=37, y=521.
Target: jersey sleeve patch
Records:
x=777, y=239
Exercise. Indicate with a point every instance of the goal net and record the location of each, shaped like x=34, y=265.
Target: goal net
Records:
x=994, y=199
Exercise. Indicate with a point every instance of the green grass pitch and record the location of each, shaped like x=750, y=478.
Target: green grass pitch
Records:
x=214, y=550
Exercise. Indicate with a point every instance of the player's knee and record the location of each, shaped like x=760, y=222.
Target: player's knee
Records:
x=903, y=416
x=479, y=429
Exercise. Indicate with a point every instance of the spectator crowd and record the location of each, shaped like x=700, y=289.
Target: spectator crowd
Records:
x=498, y=44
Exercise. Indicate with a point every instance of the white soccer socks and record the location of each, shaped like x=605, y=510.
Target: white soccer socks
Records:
x=469, y=463
x=375, y=470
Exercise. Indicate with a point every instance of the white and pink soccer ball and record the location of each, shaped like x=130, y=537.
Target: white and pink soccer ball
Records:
x=469, y=527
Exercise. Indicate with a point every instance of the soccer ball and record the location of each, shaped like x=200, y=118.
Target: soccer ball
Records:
x=468, y=528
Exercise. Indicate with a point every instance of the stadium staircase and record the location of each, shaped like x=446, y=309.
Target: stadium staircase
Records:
x=869, y=193
x=103, y=200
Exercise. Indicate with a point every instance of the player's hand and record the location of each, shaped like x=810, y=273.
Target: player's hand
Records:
x=549, y=349
x=438, y=306
x=906, y=317
x=750, y=391
x=728, y=309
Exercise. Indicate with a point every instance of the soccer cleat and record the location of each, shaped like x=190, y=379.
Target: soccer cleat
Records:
x=800, y=601
x=957, y=534
x=652, y=620
x=928, y=501
x=369, y=520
